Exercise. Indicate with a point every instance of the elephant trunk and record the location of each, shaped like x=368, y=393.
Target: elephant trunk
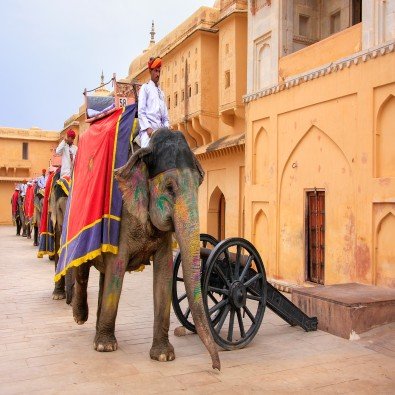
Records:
x=186, y=221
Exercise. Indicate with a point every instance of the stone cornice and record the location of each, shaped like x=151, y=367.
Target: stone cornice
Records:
x=224, y=146
x=229, y=13
x=221, y=152
x=166, y=50
x=200, y=20
x=333, y=67
x=28, y=134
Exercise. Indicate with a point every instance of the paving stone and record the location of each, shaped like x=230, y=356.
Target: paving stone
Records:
x=43, y=351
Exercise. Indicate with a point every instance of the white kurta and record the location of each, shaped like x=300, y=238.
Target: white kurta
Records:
x=41, y=181
x=152, y=110
x=22, y=189
x=64, y=151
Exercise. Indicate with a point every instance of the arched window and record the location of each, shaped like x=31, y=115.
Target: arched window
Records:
x=263, y=67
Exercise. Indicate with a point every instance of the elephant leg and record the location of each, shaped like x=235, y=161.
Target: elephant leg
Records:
x=18, y=226
x=115, y=267
x=101, y=286
x=59, y=291
x=28, y=231
x=23, y=221
x=35, y=242
x=80, y=302
x=24, y=232
x=161, y=349
x=69, y=285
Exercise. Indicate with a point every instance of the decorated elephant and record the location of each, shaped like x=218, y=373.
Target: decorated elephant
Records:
x=28, y=208
x=38, y=208
x=57, y=208
x=159, y=185
x=21, y=210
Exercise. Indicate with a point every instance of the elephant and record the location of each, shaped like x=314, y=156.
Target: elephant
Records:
x=29, y=210
x=159, y=186
x=22, y=218
x=57, y=209
x=38, y=209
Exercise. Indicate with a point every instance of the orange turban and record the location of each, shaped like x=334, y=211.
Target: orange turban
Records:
x=155, y=63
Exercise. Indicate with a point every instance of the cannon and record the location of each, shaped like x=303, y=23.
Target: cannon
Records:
x=235, y=293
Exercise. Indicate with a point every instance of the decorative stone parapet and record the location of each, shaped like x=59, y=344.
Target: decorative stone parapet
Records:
x=333, y=67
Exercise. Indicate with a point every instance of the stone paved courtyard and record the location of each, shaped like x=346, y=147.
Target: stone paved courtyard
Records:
x=43, y=351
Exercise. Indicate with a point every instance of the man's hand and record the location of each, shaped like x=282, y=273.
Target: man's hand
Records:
x=150, y=131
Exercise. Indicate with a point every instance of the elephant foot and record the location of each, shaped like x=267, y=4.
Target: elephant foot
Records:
x=80, y=313
x=58, y=294
x=105, y=343
x=162, y=352
x=69, y=295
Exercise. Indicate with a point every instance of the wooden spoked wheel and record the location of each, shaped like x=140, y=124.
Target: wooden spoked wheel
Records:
x=234, y=292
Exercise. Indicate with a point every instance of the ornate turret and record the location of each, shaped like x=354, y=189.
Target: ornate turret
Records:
x=152, y=33
x=101, y=90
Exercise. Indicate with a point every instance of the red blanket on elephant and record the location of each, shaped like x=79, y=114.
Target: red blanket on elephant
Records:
x=14, y=202
x=93, y=212
x=29, y=202
x=47, y=242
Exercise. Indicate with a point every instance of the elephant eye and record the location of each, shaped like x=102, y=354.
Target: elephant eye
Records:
x=170, y=188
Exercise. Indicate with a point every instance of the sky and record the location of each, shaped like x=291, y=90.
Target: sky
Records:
x=50, y=50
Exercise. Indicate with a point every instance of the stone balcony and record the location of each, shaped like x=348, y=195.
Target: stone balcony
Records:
x=11, y=164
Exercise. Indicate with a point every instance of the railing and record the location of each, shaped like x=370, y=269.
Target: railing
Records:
x=330, y=49
x=16, y=164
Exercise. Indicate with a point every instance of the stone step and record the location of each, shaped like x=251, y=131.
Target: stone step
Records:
x=347, y=310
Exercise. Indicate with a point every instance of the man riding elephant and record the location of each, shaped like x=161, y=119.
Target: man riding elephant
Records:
x=152, y=112
x=42, y=180
x=68, y=151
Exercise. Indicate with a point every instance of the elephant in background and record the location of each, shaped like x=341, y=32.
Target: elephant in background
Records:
x=38, y=209
x=57, y=209
x=22, y=217
x=160, y=196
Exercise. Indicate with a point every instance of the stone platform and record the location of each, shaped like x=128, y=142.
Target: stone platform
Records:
x=347, y=310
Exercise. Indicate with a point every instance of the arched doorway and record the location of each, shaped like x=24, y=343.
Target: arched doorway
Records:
x=216, y=214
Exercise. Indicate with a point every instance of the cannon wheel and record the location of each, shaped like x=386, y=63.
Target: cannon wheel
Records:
x=236, y=277
x=181, y=309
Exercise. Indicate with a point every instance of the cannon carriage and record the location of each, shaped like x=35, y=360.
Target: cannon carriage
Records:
x=235, y=293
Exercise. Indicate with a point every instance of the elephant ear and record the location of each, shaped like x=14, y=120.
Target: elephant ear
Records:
x=133, y=182
x=199, y=168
